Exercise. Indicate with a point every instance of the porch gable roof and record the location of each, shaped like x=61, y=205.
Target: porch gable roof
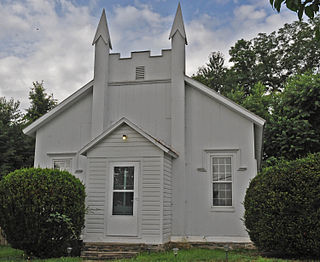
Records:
x=160, y=144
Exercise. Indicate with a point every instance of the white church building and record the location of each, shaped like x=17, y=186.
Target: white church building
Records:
x=163, y=157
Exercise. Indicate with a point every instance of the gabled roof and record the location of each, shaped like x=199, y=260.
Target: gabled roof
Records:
x=32, y=128
x=225, y=101
x=167, y=149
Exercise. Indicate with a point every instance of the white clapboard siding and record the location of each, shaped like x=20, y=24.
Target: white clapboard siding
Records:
x=167, y=196
x=151, y=196
x=135, y=148
x=96, y=196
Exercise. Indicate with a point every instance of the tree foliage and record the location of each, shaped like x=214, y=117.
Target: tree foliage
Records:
x=42, y=210
x=282, y=208
x=17, y=149
x=213, y=74
x=294, y=126
x=40, y=101
x=267, y=58
x=261, y=79
x=307, y=7
x=14, y=145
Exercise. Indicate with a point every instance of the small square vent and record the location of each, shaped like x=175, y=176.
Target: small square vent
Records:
x=139, y=72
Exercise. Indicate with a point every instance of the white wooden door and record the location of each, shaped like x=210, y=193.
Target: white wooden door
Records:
x=122, y=218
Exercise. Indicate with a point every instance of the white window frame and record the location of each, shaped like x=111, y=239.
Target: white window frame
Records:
x=135, y=186
x=232, y=155
x=63, y=156
x=63, y=159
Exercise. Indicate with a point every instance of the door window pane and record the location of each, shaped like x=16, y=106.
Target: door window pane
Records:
x=123, y=178
x=122, y=203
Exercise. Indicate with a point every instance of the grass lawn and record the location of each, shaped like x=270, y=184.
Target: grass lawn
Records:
x=202, y=255
x=9, y=254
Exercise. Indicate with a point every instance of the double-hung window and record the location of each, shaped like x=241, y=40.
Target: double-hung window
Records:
x=123, y=190
x=222, y=175
x=63, y=164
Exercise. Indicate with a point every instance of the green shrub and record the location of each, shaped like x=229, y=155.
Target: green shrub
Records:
x=42, y=210
x=282, y=208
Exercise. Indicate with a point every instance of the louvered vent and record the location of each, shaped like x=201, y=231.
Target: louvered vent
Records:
x=139, y=72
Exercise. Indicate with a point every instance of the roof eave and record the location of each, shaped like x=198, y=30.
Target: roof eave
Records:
x=225, y=101
x=121, y=121
x=33, y=127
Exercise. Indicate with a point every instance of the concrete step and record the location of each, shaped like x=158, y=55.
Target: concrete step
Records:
x=114, y=247
x=106, y=251
x=92, y=255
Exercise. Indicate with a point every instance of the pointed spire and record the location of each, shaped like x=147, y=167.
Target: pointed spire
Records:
x=178, y=25
x=103, y=30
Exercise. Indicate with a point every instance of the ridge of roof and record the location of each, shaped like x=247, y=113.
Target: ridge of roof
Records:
x=66, y=103
x=225, y=101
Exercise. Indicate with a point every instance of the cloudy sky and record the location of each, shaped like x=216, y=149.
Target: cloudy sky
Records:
x=50, y=40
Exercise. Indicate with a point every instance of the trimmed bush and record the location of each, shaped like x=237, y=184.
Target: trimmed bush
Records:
x=282, y=208
x=42, y=210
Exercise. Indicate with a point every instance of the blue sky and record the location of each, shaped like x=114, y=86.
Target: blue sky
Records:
x=50, y=40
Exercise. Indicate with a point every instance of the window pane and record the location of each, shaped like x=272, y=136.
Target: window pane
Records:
x=64, y=164
x=215, y=173
x=123, y=178
x=122, y=203
x=222, y=194
x=228, y=176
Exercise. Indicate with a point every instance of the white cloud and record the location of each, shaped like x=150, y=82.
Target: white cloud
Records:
x=38, y=44
x=45, y=46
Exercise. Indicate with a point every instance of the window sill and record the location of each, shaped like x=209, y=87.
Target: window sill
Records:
x=222, y=209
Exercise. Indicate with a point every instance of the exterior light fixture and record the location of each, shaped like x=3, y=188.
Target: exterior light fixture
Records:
x=69, y=249
x=226, y=249
x=175, y=251
x=124, y=137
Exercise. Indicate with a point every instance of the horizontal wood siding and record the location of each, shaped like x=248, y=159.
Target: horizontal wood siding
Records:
x=135, y=148
x=167, y=196
x=151, y=196
x=96, y=195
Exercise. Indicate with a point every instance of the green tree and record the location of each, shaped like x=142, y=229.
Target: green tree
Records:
x=307, y=7
x=267, y=58
x=294, y=127
x=14, y=145
x=40, y=101
x=17, y=149
x=213, y=74
x=258, y=101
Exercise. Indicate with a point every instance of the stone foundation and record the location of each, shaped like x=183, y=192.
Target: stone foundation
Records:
x=98, y=251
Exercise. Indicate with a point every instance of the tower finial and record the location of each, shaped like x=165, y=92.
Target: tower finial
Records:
x=178, y=25
x=102, y=30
